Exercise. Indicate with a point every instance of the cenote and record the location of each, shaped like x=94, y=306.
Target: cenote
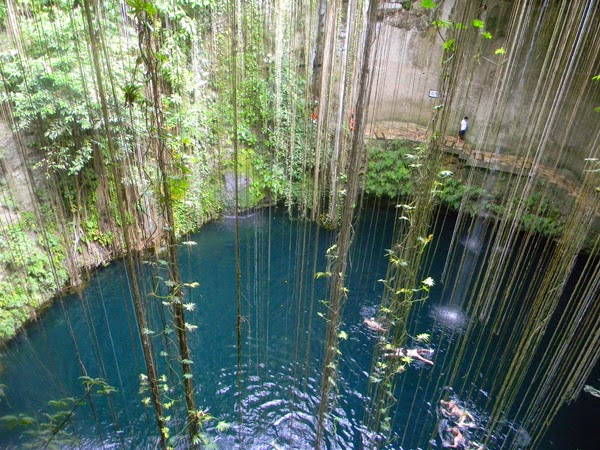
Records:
x=276, y=393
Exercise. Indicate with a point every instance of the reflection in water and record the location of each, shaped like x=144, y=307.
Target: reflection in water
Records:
x=240, y=216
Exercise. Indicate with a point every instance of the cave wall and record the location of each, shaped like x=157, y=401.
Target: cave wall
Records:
x=537, y=98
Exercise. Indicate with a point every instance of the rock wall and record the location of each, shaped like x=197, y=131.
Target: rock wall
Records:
x=15, y=189
x=536, y=99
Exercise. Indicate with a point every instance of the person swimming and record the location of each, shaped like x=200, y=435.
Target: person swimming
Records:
x=458, y=440
x=451, y=409
x=416, y=353
x=374, y=325
x=454, y=426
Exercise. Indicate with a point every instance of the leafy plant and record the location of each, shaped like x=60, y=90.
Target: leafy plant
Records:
x=53, y=432
x=390, y=170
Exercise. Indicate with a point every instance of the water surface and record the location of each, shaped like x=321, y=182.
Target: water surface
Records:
x=94, y=334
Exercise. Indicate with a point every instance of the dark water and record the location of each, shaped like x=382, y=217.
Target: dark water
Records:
x=94, y=334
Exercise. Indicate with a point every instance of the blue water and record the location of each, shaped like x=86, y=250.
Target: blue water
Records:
x=94, y=333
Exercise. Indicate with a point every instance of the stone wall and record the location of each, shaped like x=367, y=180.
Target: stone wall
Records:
x=537, y=99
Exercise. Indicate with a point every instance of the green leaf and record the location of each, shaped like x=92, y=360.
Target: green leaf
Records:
x=500, y=51
x=322, y=274
x=486, y=34
x=222, y=427
x=596, y=78
x=343, y=335
x=423, y=337
x=449, y=45
x=442, y=23
x=478, y=23
x=58, y=404
x=428, y=4
x=8, y=418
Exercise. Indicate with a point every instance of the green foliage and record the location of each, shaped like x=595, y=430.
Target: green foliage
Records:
x=142, y=6
x=2, y=16
x=55, y=103
x=12, y=422
x=223, y=427
x=271, y=139
x=449, y=45
x=442, y=23
x=20, y=254
x=53, y=432
x=30, y=276
x=477, y=24
x=90, y=223
x=15, y=308
x=390, y=170
x=269, y=178
x=542, y=217
x=423, y=337
x=596, y=78
x=51, y=98
x=451, y=42
x=548, y=226
x=453, y=192
x=428, y=4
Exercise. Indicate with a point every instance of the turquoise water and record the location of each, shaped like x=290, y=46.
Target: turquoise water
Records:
x=94, y=334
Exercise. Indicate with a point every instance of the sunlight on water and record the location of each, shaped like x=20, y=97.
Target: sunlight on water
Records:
x=450, y=317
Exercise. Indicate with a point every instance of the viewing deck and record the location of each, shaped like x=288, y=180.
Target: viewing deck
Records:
x=468, y=153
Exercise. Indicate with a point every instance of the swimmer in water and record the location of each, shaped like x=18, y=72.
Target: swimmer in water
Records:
x=417, y=353
x=466, y=421
x=463, y=417
x=458, y=440
x=374, y=325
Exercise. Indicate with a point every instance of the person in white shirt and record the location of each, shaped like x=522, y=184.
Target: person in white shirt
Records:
x=464, y=124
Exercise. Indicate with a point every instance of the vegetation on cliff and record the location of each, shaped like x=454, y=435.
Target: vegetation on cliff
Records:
x=135, y=122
